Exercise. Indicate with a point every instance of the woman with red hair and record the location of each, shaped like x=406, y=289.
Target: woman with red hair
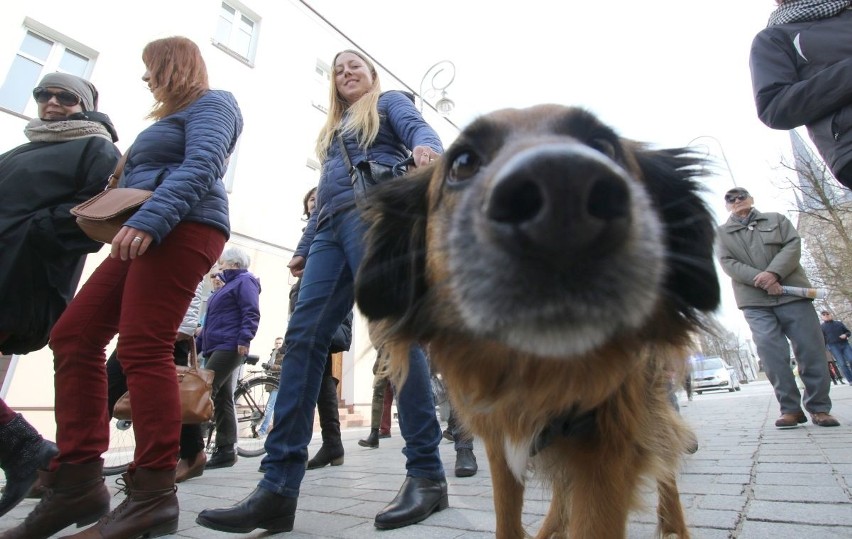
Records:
x=141, y=292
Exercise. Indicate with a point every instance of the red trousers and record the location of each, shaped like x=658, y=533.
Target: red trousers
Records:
x=387, y=401
x=143, y=300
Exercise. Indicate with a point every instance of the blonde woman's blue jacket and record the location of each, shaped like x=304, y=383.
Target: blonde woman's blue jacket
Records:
x=402, y=128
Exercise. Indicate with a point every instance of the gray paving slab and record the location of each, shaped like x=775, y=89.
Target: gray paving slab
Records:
x=748, y=480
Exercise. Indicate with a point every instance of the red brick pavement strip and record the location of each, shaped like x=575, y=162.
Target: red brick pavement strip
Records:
x=748, y=480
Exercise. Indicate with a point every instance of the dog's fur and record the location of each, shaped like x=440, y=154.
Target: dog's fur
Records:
x=556, y=271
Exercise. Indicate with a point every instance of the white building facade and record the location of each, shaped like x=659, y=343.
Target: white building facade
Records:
x=272, y=55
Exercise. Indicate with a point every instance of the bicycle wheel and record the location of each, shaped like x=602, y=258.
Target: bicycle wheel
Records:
x=122, y=444
x=250, y=400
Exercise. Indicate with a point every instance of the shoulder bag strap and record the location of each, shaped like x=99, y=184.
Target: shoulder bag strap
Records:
x=344, y=153
x=193, y=354
x=119, y=169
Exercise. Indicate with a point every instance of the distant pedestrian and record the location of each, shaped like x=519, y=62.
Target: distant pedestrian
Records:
x=380, y=410
x=801, y=71
x=836, y=336
x=233, y=314
x=761, y=252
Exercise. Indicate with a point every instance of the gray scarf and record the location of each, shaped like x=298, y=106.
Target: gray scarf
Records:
x=807, y=10
x=744, y=220
x=63, y=130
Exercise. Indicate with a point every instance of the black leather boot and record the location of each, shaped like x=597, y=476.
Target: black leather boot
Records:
x=223, y=457
x=261, y=509
x=331, y=451
x=417, y=499
x=465, y=463
x=372, y=441
x=22, y=452
x=325, y=456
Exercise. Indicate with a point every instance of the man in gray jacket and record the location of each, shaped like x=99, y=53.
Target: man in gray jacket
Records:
x=761, y=252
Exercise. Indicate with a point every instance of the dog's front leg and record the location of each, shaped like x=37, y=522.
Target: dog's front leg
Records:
x=602, y=488
x=508, y=492
x=672, y=523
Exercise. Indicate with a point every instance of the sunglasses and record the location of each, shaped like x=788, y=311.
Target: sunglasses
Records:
x=66, y=99
x=730, y=199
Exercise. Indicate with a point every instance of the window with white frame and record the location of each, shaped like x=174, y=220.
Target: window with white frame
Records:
x=42, y=51
x=322, y=79
x=237, y=30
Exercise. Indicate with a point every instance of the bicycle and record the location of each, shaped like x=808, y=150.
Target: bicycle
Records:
x=250, y=398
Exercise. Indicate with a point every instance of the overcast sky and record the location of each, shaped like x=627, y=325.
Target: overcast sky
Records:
x=663, y=71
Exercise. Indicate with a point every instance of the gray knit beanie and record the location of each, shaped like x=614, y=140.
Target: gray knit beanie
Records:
x=82, y=88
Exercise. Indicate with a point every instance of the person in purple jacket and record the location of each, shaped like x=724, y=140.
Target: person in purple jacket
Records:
x=233, y=314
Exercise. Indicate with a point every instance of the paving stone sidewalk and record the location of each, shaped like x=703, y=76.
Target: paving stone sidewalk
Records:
x=748, y=480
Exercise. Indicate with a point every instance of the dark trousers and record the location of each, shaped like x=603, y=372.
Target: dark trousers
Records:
x=144, y=301
x=225, y=365
x=462, y=439
x=191, y=438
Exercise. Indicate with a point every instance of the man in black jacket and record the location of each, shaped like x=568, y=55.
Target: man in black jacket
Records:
x=801, y=71
x=837, y=341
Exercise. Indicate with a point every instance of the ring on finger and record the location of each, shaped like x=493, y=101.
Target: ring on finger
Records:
x=137, y=239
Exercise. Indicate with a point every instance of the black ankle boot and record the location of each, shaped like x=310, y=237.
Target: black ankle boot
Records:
x=223, y=457
x=372, y=440
x=22, y=452
x=417, y=499
x=325, y=456
x=465, y=463
x=261, y=509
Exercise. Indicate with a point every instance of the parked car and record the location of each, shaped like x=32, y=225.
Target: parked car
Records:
x=712, y=373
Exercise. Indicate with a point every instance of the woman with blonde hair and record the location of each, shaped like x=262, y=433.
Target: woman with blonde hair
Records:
x=374, y=126
x=141, y=292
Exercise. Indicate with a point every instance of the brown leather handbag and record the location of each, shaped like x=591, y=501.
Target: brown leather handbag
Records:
x=103, y=215
x=196, y=388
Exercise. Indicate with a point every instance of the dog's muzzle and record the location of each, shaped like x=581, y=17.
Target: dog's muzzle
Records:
x=559, y=200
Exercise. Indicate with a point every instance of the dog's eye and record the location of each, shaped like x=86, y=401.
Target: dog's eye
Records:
x=464, y=166
x=604, y=146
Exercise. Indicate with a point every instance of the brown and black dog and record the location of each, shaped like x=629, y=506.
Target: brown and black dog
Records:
x=557, y=272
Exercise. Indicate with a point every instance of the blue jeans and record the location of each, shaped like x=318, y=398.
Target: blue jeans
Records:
x=325, y=299
x=267, y=417
x=842, y=353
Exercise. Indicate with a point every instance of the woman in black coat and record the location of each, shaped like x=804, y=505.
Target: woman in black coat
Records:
x=67, y=160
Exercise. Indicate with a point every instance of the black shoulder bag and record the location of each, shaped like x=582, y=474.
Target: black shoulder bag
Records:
x=369, y=173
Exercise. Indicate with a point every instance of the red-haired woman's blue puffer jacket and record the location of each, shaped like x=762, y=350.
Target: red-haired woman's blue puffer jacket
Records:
x=183, y=156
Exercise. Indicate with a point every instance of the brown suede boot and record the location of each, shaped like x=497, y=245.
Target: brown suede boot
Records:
x=74, y=493
x=150, y=509
x=191, y=467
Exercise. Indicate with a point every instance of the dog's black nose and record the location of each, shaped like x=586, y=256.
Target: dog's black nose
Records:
x=560, y=200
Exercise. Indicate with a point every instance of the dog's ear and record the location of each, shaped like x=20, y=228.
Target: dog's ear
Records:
x=671, y=179
x=390, y=279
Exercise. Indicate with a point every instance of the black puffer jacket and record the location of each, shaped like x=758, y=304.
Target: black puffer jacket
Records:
x=43, y=249
x=802, y=75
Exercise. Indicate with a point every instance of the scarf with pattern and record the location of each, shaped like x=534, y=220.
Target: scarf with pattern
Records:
x=807, y=10
x=63, y=130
